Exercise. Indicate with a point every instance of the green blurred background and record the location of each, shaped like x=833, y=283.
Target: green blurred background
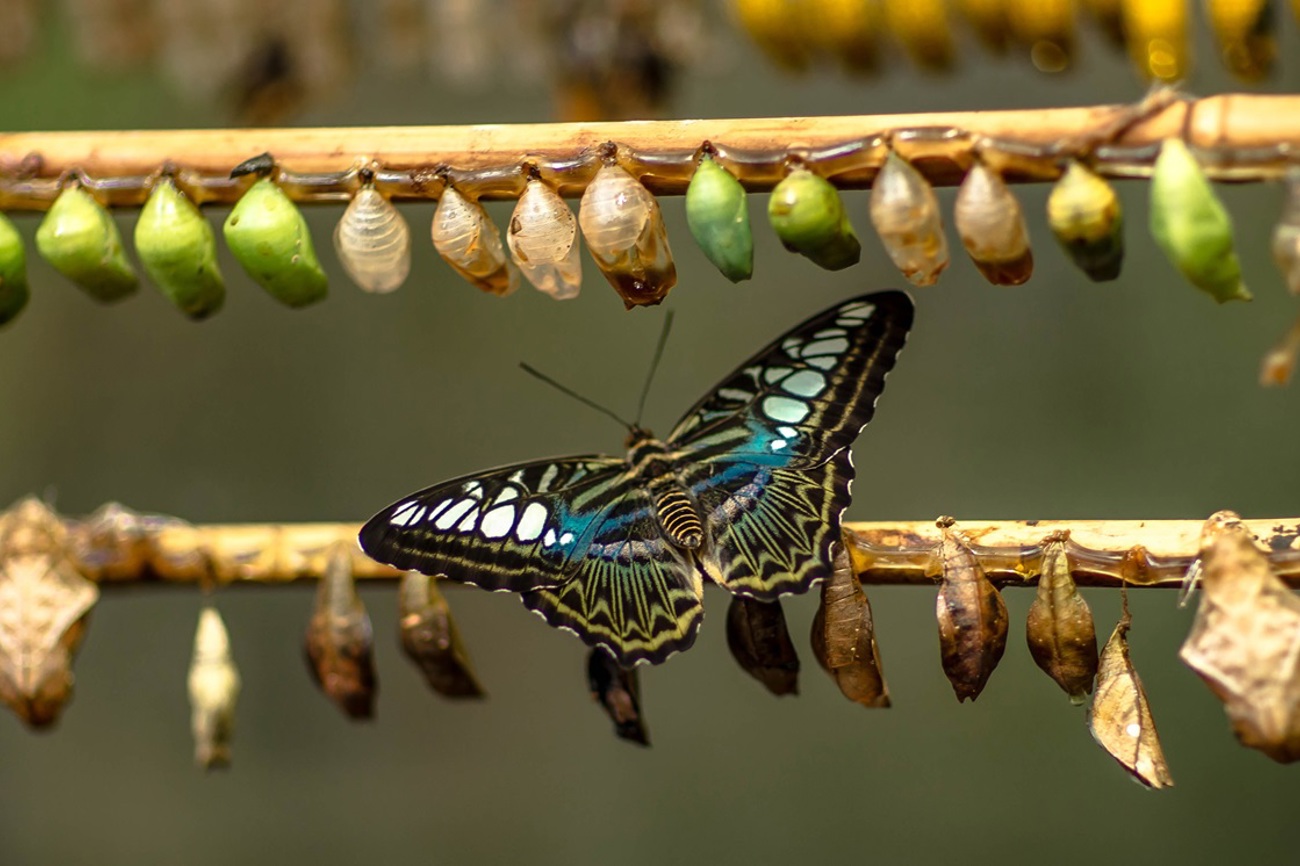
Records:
x=1059, y=399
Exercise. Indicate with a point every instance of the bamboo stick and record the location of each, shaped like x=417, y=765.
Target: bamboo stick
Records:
x=1241, y=137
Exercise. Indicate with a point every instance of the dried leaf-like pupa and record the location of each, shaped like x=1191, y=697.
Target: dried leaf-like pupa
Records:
x=45, y=603
x=81, y=241
x=430, y=638
x=373, y=242
x=1085, y=215
x=1062, y=637
x=905, y=212
x=717, y=211
x=13, y=272
x=543, y=240
x=1120, y=717
x=178, y=249
x=470, y=242
x=1245, y=642
x=340, y=642
x=921, y=27
x=625, y=232
x=992, y=228
x=972, y=620
x=214, y=688
x=1157, y=35
x=1245, y=33
x=760, y=643
x=268, y=236
x=1279, y=361
x=1192, y=227
x=810, y=219
x=618, y=690
x=844, y=638
x=1286, y=237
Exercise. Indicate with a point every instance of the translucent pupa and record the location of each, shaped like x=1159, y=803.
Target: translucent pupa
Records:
x=543, y=240
x=625, y=233
x=467, y=239
x=1286, y=236
x=373, y=242
x=992, y=228
x=214, y=688
x=905, y=212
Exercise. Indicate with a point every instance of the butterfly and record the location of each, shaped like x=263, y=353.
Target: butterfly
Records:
x=746, y=492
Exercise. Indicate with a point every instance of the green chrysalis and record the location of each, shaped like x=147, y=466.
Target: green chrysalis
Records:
x=81, y=241
x=269, y=237
x=13, y=272
x=1191, y=225
x=809, y=218
x=179, y=251
x=717, y=211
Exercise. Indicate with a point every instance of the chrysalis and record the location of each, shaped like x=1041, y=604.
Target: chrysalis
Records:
x=844, y=639
x=850, y=30
x=988, y=18
x=774, y=26
x=469, y=241
x=905, y=213
x=269, y=237
x=81, y=241
x=178, y=249
x=972, y=620
x=1245, y=642
x=1286, y=237
x=1279, y=361
x=1085, y=215
x=1062, y=637
x=1157, y=36
x=1109, y=15
x=430, y=638
x=717, y=211
x=1047, y=28
x=13, y=272
x=1192, y=227
x=373, y=242
x=340, y=643
x=760, y=643
x=618, y=691
x=214, y=688
x=992, y=228
x=1120, y=716
x=625, y=232
x=1245, y=33
x=543, y=240
x=810, y=219
x=921, y=26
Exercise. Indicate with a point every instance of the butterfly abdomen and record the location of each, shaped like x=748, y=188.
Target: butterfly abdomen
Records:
x=678, y=517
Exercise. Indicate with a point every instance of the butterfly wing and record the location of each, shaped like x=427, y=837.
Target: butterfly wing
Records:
x=513, y=529
x=766, y=454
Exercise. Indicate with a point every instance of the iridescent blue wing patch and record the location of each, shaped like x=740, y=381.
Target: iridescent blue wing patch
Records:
x=766, y=454
x=512, y=529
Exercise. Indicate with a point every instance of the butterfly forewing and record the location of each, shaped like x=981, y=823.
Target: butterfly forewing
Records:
x=767, y=455
x=517, y=528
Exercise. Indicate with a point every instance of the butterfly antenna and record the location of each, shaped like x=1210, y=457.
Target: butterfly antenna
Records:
x=532, y=371
x=654, y=365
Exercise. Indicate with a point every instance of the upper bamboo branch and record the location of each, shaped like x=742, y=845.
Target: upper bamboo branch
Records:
x=1241, y=137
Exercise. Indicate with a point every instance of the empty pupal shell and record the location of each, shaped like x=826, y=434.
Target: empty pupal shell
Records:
x=81, y=241
x=905, y=212
x=1085, y=215
x=269, y=237
x=1286, y=237
x=760, y=643
x=430, y=638
x=373, y=242
x=178, y=249
x=717, y=211
x=469, y=241
x=13, y=272
x=1120, y=716
x=214, y=689
x=1192, y=227
x=618, y=691
x=972, y=620
x=1245, y=32
x=810, y=219
x=543, y=239
x=625, y=232
x=340, y=642
x=1156, y=32
x=992, y=228
x=844, y=636
x=1059, y=629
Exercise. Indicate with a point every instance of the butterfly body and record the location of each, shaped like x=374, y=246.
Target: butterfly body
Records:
x=747, y=491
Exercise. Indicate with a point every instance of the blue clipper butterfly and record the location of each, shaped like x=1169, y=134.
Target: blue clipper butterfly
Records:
x=748, y=491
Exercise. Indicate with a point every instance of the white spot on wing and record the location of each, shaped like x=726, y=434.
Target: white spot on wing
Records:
x=448, y=518
x=825, y=362
x=805, y=383
x=775, y=374
x=830, y=332
x=531, y=522
x=498, y=522
x=784, y=410
x=837, y=346
x=547, y=477
x=734, y=394
x=778, y=445
x=549, y=539
x=405, y=515
x=506, y=495
x=787, y=432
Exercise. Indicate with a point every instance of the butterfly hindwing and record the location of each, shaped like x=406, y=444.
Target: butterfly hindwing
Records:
x=766, y=454
x=516, y=528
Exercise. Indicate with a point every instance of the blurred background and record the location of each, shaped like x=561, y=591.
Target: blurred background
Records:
x=1057, y=399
